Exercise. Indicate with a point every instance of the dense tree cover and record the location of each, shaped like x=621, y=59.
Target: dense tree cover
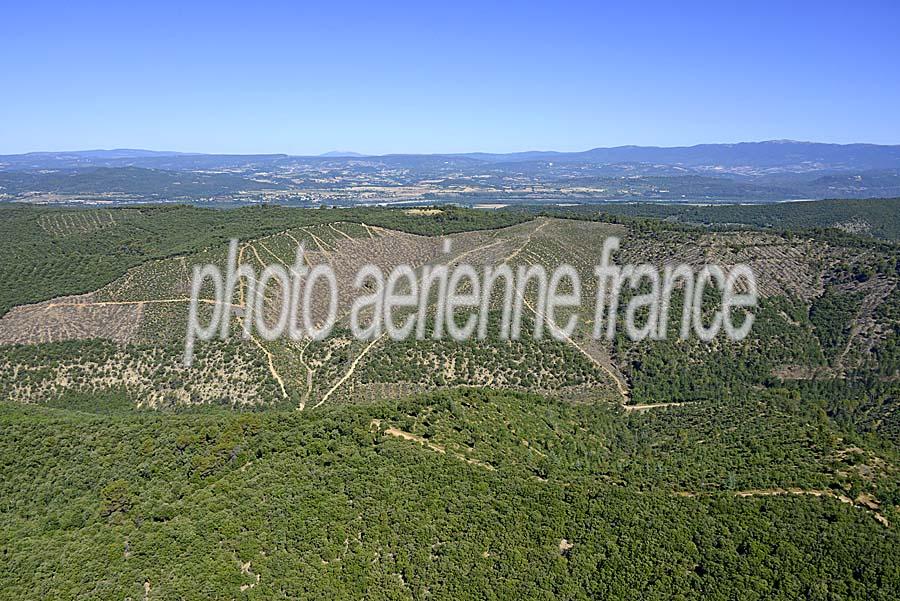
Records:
x=831, y=314
x=886, y=352
x=328, y=505
x=679, y=370
x=876, y=217
x=791, y=347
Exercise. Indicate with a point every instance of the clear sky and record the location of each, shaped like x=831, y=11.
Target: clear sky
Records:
x=305, y=78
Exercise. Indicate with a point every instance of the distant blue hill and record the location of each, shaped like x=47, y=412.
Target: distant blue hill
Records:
x=776, y=155
x=787, y=154
x=335, y=154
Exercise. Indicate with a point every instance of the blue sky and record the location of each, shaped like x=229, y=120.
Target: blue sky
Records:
x=306, y=78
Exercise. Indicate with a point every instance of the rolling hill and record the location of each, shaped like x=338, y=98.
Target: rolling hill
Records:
x=573, y=468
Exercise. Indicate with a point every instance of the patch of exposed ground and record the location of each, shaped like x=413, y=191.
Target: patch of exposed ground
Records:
x=245, y=571
x=864, y=501
x=70, y=318
x=397, y=433
x=648, y=406
x=431, y=211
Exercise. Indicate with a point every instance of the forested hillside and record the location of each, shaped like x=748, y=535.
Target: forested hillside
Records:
x=877, y=217
x=571, y=468
x=53, y=252
x=469, y=494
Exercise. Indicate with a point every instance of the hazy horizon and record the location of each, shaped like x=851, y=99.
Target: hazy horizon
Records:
x=475, y=150
x=411, y=79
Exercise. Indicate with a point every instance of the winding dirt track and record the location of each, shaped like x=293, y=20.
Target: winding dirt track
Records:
x=151, y=301
x=648, y=406
x=351, y=369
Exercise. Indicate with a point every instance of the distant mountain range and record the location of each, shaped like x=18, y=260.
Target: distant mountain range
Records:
x=775, y=155
x=341, y=153
x=745, y=172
